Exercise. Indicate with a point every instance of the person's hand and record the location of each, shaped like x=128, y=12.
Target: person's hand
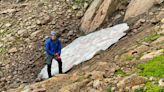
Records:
x=56, y=55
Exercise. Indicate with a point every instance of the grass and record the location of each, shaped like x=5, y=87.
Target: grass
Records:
x=79, y=2
x=129, y=57
x=150, y=87
x=120, y=73
x=109, y=89
x=152, y=38
x=139, y=90
x=2, y=50
x=154, y=67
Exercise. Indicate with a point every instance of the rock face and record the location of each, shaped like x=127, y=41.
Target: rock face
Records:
x=137, y=7
x=89, y=15
x=131, y=81
x=152, y=54
x=96, y=14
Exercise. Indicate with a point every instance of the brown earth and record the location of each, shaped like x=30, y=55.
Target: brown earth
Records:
x=22, y=51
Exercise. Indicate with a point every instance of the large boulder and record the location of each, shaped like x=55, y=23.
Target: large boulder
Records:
x=96, y=14
x=137, y=7
x=89, y=15
x=106, y=9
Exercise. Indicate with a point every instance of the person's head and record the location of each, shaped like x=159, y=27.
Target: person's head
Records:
x=53, y=35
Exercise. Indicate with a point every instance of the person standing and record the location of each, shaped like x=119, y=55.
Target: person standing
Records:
x=53, y=50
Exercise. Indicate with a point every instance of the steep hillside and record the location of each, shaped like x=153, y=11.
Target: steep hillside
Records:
x=24, y=26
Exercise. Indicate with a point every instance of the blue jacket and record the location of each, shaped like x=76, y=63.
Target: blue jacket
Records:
x=53, y=47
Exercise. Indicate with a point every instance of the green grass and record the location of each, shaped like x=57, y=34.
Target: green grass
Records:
x=2, y=50
x=129, y=58
x=152, y=38
x=139, y=90
x=120, y=72
x=79, y=2
x=109, y=89
x=154, y=67
x=153, y=88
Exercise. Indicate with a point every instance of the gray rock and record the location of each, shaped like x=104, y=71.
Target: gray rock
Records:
x=152, y=54
x=152, y=78
x=131, y=81
x=1, y=31
x=12, y=50
x=161, y=82
x=117, y=16
x=70, y=33
x=8, y=25
x=94, y=17
x=1, y=45
x=45, y=20
x=18, y=1
x=137, y=7
x=8, y=11
x=113, y=89
x=79, y=14
x=34, y=34
x=86, y=5
x=145, y=43
x=96, y=83
x=75, y=7
x=23, y=33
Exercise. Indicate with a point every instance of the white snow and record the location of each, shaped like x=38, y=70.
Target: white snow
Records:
x=85, y=47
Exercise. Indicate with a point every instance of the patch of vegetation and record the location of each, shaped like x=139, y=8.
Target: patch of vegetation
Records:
x=150, y=87
x=163, y=51
x=120, y=72
x=154, y=67
x=152, y=38
x=79, y=1
x=139, y=90
x=129, y=57
x=109, y=89
x=2, y=50
x=81, y=78
x=124, y=2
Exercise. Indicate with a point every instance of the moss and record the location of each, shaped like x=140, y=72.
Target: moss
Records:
x=152, y=38
x=153, y=88
x=109, y=89
x=154, y=67
x=120, y=72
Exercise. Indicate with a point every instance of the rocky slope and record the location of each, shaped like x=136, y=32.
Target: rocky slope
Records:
x=24, y=27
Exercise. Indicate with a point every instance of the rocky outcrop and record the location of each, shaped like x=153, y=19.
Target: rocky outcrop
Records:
x=89, y=14
x=97, y=13
x=128, y=82
x=137, y=7
x=152, y=54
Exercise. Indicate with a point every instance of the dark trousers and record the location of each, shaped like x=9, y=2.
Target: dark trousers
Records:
x=49, y=63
